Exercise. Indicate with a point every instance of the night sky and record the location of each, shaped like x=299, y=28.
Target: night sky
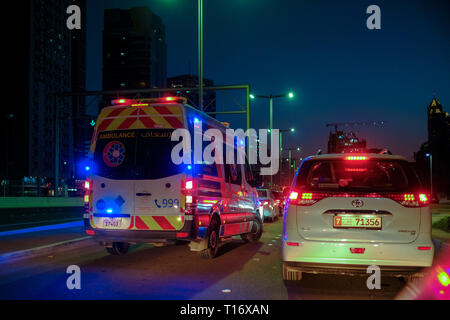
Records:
x=321, y=50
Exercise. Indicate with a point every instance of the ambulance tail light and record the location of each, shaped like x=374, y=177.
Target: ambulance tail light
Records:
x=189, y=185
x=188, y=192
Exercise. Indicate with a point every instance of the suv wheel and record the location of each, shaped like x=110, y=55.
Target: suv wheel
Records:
x=213, y=241
x=118, y=248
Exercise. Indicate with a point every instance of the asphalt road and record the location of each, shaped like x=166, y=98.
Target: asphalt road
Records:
x=242, y=271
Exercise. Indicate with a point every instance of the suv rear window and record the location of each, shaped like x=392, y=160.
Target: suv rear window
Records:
x=376, y=175
x=135, y=155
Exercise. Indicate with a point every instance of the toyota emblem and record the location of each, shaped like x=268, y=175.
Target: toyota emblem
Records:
x=357, y=203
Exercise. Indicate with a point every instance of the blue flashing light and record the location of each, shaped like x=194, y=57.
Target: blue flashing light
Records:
x=427, y=154
x=189, y=167
x=87, y=168
x=109, y=210
x=196, y=120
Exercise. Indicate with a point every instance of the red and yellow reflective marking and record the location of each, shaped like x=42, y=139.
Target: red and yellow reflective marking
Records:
x=148, y=117
x=157, y=223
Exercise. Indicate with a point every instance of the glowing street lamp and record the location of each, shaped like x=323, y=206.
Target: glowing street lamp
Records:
x=289, y=95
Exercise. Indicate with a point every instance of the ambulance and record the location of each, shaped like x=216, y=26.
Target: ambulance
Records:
x=136, y=194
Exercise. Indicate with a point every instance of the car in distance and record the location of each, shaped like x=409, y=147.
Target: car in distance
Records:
x=267, y=200
x=346, y=212
x=280, y=201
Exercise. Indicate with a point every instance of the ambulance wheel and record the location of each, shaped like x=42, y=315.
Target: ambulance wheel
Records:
x=118, y=248
x=213, y=241
x=257, y=231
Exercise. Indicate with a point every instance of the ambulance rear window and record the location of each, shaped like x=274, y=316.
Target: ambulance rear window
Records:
x=135, y=155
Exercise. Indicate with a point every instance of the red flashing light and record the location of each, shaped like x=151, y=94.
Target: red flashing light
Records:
x=358, y=250
x=424, y=248
x=265, y=203
x=90, y=232
x=119, y=101
x=87, y=185
x=293, y=244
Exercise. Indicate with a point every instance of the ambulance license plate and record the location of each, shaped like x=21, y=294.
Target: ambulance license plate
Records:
x=112, y=222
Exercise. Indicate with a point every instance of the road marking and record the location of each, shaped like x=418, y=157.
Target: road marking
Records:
x=43, y=228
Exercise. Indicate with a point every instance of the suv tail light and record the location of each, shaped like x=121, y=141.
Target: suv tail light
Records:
x=306, y=198
x=405, y=199
x=410, y=199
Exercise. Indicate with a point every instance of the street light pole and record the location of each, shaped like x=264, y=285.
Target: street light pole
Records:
x=431, y=173
x=290, y=95
x=200, y=52
x=271, y=114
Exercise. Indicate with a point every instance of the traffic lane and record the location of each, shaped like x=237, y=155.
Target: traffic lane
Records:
x=30, y=240
x=241, y=271
x=171, y=272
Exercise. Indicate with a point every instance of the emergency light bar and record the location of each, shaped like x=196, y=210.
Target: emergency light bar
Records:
x=145, y=102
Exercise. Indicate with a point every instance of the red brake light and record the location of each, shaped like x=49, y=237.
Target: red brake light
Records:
x=182, y=234
x=409, y=199
x=405, y=199
x=306, y=198
x=293, y=195
x=423, y=198
x=357, y=250
x=424, y=248
x=293, y=244
x=356, y=158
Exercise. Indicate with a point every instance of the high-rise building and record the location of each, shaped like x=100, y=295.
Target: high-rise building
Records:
x=81, y=121
x=438, y=146
x=191, y=81
x=47, y=69
x=134, y=50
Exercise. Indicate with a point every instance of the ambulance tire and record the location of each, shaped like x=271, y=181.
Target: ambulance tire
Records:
x=256, y=231
x=213, y=241
x=118, y=248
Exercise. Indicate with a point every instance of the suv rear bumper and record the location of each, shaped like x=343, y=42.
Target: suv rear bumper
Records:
x=380, y=254
x=349, y=269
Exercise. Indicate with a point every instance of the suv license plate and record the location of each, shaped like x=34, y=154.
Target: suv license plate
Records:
x=112, y=222
x=361, y=222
